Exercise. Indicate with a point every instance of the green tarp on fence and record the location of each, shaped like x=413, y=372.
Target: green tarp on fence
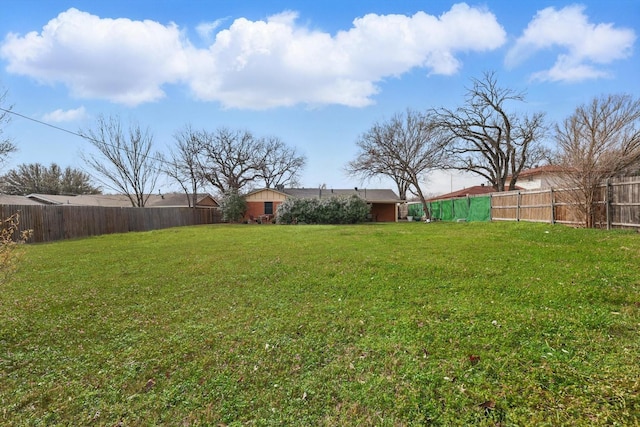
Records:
x=415, y=210
x=460, y=209
x=434, y=210
x=479, y=209
x=469, y=208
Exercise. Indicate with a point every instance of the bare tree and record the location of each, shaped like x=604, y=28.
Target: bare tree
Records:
x=405, y=148
x=184, y=166
x=228, y=159
x=278, y=163
x=37, y=178
x=600, y=140
x=486, y=139
x=6, y=144
x=232, y=160
x=124, y=161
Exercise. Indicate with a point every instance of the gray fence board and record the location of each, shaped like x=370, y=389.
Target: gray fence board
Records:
x=51, y=222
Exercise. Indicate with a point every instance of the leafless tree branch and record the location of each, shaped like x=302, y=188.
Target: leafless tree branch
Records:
x=600, y=140
x=7, y=146
x=124, y=161
x=404, y=148
x=484, y=138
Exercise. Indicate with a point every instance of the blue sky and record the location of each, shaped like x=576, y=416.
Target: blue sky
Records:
x=315, y=74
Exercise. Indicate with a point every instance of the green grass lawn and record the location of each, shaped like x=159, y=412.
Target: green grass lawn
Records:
x=494, y=324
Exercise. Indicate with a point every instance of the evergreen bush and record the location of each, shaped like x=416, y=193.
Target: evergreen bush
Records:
x=334, y=210
x=233, y=207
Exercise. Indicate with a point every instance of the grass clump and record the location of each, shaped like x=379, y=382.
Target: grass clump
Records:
x=375, y=324
x=10, y=240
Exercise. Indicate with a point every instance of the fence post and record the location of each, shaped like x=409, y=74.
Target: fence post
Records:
x=607, y=202
x=518, y=207
x=490, y=207
x=553, y=208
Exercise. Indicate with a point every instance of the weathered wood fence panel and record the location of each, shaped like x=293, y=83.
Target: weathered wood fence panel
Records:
x=625, y=202
x=533, y=206
x=617, y=205
x=50, y=223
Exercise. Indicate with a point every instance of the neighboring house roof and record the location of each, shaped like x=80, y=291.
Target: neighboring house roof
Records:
x=6, y=199
x=476, y=190
x=106, y=200
x=541, y=170
x=180, y=200
x=542, y=177
x=369, y=195
x=119, y=200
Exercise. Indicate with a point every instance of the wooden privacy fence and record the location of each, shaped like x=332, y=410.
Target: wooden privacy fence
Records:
x=617, y=205
x=53, y=222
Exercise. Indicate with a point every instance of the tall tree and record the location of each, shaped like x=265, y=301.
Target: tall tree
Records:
x=76, y=181
x=486, y=138
x=600, y=140
x=228, y=161
x=37, y=178
x=234, y=160
x=404, y=148
x=278, y=163
x=124, y=161
x=183, y=165
x=6, y=144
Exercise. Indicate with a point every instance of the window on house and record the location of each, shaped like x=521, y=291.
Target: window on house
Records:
x=268, y=208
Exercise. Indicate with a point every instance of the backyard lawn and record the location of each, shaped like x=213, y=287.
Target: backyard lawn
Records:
x=490, y=324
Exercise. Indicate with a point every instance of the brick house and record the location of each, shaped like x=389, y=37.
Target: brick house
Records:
x=262, y=204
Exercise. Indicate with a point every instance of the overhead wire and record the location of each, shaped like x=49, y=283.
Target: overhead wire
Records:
x=93, y=140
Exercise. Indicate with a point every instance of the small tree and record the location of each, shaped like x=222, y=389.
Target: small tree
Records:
x=184, y=165
x=600, y=140
x=233, y=207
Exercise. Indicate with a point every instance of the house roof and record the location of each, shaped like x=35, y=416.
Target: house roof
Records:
x=369, y=195
x=180, y=200
x=119, y=200
x=470, y=191
x=106, y=200
x=6, y=199
x=541, y=170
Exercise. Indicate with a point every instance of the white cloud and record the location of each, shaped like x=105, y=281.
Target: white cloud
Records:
x=59, y=115
x=120, y=60
x=250, y=64
x=206, y=29
x=585, y=46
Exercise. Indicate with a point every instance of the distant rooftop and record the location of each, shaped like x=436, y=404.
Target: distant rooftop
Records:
x=119, y=200
x=370, y=195
x=476, y=190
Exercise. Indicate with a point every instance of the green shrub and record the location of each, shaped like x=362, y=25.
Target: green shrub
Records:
x=334, y=210
x=233, y=207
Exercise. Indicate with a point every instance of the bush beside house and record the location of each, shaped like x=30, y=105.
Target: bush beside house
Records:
x=333, y=210
x=233, y=207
